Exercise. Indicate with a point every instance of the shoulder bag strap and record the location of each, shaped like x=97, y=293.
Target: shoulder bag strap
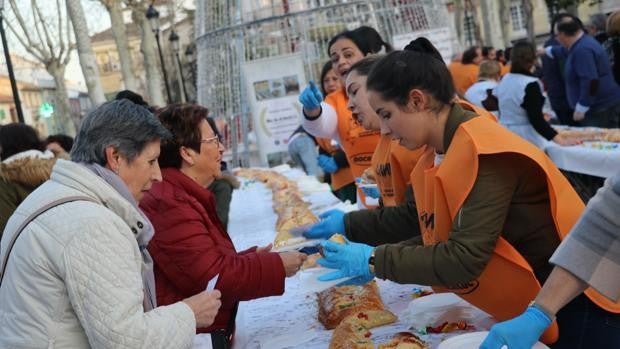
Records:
x=27, y=221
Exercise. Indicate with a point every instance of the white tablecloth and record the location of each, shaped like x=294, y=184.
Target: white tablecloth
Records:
x=586, y=158
x=290, y=320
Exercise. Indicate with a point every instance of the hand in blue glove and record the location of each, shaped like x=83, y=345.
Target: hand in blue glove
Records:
x=351, y=260
x=327, y=163
x=371, y=190
x=521, y=332
x=332, y=222
x=311, y=97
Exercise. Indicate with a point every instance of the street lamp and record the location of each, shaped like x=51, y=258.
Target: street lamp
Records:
x=189, y=53
x=9, y=67
x=153, y=17
x=174, y=43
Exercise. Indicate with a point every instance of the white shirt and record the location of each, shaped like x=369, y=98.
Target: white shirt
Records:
x=478, y=91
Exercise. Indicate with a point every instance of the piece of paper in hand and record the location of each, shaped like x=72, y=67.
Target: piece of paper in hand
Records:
x=203, y=340
x=212, y=282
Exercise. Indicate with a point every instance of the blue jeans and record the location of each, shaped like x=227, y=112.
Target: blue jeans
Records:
x=584, y=325
x=303, y=151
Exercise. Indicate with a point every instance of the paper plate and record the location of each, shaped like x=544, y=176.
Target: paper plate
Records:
x=310, y=284
x=299, y=242
x=473, y=340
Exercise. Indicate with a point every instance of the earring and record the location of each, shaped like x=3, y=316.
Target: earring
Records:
x=115, y=171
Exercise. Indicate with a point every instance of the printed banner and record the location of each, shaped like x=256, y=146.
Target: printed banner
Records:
x=273, y=86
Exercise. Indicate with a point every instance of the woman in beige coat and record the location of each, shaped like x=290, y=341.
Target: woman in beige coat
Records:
x=79, y=274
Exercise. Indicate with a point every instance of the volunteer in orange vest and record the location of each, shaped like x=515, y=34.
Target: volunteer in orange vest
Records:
x=332, y=119
x=490, y=208
x=337, y=172
x=391, y=163
x=465, y=73
x=504, y=60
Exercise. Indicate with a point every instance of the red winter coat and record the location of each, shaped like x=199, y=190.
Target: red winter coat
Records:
x=190, y=247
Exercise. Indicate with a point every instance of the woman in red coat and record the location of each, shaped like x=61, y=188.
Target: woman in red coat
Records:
x=190, y=245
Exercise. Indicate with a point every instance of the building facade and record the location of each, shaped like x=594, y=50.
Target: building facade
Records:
x=106, y=53
x=36, y=91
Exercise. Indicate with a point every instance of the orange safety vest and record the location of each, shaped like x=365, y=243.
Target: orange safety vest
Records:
x=341, y=177
x=504, y=69
x=507, y=284
x=463, y=75
x=392, y=165
x=358, y=143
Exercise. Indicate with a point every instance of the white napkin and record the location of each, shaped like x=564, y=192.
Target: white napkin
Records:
x=309, y=283
x=202, y=341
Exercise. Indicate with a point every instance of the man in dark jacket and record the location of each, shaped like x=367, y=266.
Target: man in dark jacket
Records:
x=553, y=76
x=590, y=85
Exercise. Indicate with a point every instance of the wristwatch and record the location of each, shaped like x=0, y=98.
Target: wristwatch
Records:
x=545, y=311
x=371, y=262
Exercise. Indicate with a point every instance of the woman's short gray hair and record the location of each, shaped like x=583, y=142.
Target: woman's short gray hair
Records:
x=122, y=124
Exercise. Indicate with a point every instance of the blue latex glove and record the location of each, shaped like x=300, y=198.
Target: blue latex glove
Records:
x=327, y=163
x=351, y=260
x=521, y=332
x=332, y=222
x=371, y=191
x=311, y=97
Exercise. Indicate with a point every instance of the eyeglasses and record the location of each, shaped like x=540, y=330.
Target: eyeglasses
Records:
x=214, y=139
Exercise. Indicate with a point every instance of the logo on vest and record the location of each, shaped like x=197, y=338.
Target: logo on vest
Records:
x=428, y=220
x=465, y=288
x=362, y=159
x=384, y=170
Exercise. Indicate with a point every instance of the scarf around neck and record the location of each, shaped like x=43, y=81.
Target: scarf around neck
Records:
x=143, y=236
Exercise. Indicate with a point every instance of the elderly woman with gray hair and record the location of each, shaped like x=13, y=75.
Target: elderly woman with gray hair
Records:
x=74, y=269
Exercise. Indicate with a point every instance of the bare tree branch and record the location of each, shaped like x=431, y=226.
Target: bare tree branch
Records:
x=36, y=27
x=30, y=48
x=23, y=25
x=70, y=45
x=50, y=43
x=61, y=42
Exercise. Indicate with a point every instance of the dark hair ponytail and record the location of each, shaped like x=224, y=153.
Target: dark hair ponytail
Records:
x=423, y=45
x=401, y=71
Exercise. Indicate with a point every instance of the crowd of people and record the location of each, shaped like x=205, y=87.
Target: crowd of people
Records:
x=111, y=240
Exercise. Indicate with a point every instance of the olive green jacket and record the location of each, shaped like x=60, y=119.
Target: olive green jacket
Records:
x=222, y=189
x=509, y=199
x=18, y=178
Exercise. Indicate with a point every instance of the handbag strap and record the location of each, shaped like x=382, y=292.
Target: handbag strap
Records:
x=30, y=218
